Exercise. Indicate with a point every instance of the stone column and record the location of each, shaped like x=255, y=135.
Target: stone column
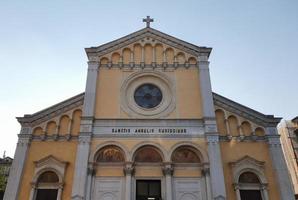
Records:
x=81, y=165
x=216, y=168
x=206, y=173
x=91, y=173
x=265, y=192
x=128, y=171
x=279, y=165
x=16, y=170
x=60, y=190
x=237, y=190
x=168, y=172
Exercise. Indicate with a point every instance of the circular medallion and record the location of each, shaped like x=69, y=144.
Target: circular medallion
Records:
x=148, y=96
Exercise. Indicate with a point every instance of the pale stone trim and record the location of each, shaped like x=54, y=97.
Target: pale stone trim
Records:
x=205, y=85
x=279, y=165
x=49, y=163
x=165, y=84
x=216, y=168
x=16, y=170
x=94, y=52
x=249, y=164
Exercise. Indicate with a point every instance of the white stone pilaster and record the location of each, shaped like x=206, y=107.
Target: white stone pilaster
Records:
x=90, y=172
x=279, y=165
x=216, y=168
x=168, y=172
x=16, y=170
x=206, y=90
x=206, y=173
x=81, y=168
x=128, y=171
x=90, y=91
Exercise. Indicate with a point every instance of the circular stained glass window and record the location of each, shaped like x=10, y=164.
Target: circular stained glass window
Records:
x=148, y=96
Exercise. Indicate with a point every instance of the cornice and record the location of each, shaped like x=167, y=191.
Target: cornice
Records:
x=55, y=110
x=245, y=112
x=143, y=33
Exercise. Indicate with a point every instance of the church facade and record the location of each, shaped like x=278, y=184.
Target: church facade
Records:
x=148, y=126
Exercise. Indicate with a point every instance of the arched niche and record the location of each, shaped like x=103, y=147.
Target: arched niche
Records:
x=233, y=126
x=170, y=55
x=51, y=128
x=38, y=131
x=159, y=53
x=148, y=154
x=246, y=128
x=181, y=58
x=137, y=51
x=185, y=154
x=64, y=125
x=148, y=54
x=115, y=58
x=110, y=154
x=192, y=60
x=126, y=54
x=259, y=131
x=76, y=121
x=104, y=61
x=220, y=121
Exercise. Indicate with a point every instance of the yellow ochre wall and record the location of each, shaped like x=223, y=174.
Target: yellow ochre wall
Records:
x=233, y=151
x=64, y=151
x=188, y=96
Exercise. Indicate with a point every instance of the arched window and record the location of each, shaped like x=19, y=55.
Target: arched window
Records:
x=250, y=186
x=185, y=155
x=47, y=186
x=249, y=179
x=110, y=153
x=147, y=154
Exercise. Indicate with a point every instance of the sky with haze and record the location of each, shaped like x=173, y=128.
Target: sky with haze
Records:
x=254, y=60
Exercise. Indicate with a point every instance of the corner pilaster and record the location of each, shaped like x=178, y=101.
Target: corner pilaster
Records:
x=16, y=170
x=205, y=84
x=216, y=168
x=81, y=166
x=279, y=165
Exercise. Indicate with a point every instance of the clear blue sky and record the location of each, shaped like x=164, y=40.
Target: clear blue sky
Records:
x=42, y=60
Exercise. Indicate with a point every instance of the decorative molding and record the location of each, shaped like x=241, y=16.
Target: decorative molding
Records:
x=161, y=80
x=168, y=170
x=53, y=111
x=245, y=112
x=248, y=163
x=94, y=52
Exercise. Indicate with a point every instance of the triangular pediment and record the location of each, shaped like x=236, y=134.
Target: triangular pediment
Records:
x=247, y=160
x=143, y=35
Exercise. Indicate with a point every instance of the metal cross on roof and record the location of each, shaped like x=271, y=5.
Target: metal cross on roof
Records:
x=148, y=20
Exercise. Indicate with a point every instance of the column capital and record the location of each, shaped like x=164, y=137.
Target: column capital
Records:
x=84, y=138
x=129, y=170
x=206, y=171
x=274, y=140
x=212, y=138
x=168, y=170
x=24, y=139
x=93, y=65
